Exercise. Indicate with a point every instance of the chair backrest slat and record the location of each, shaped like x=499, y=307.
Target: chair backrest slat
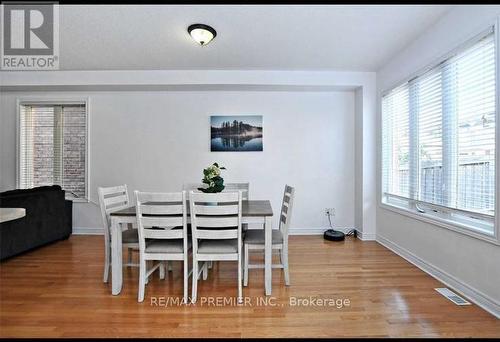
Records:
x=161, y=197
x=161, y=216
x=163, y=233
x=286, y=209
x=163, y=222
x=215, y=216
x=219, y=198
x=216, y=221
x=228, y=187
x=119, y=189
x=216, y=209
x=168, y=209
x=111, y=199
x=114, y=201
x=244, y=187
x=222, y=234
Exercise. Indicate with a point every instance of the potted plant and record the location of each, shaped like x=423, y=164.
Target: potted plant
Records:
x=211, y=177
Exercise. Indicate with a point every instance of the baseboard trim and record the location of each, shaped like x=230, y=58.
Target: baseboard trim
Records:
x=366, y=237
x=87, y=231
x=293, y=231
x=316, y=231
x=320, y=231
x=306, y=231
x=487, y=303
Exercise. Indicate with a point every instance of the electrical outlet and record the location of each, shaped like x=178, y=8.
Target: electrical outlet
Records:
x=329, y=211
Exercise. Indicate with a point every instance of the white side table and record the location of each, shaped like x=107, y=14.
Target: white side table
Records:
x=9, y=214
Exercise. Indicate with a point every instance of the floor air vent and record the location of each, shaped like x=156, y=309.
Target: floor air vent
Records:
x=452, y=296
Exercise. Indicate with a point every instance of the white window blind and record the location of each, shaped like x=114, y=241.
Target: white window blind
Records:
x=438, y=139
x=52, y=147
x=427, y=99
x=396, y=140
x=474, y=74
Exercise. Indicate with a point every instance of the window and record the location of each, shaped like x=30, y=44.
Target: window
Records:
x=52, y=146
x=438, y=140
x=396, y=158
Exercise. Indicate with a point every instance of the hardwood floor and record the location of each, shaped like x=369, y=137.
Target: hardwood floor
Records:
x=57, y=291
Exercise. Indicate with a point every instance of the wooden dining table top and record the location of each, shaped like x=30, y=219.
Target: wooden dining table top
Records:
x=250, y=208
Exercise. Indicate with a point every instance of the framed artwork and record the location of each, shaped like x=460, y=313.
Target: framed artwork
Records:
x=236, y=133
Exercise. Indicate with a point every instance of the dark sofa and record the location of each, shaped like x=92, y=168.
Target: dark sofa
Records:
x=48, y=219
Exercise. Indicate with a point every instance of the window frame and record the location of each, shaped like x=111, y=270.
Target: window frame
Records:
x=409, y=207
x=55, y=101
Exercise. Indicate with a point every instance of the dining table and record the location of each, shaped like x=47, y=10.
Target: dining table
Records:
x=252, y=212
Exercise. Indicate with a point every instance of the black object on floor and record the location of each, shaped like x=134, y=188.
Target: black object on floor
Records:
x=334, y=235
x=48, y=219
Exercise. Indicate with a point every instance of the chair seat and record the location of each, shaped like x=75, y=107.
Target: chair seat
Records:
x=166, y=246
x=218, y=246
x=257, y=237
x=130, y=236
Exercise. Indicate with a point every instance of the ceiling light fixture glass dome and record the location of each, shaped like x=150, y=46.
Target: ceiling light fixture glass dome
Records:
x=201, y=33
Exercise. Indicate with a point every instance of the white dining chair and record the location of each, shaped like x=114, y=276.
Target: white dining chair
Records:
x=194, y=187
x=255, y=239
x=243, y=187
x=216, y=233
x=113, y=199
x=162, y=225
x=228, y=187
x=245, y=195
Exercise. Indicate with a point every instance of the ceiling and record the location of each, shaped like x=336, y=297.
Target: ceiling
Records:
x=298, y=37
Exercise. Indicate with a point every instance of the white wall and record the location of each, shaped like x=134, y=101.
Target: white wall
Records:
x=157, y=140
x=463, y=260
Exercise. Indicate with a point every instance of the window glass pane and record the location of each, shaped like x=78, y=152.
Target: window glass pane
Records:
x=74, y=150
x=475, y=77
x=52, y=147
x=429, y=109
x=438, y=138
x=396, y=142
x=43, y=146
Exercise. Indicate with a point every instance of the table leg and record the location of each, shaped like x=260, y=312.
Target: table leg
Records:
x=116, y=257
x=268, y=255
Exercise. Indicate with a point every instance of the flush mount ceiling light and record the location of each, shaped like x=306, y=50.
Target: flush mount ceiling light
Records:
x=202, y=33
